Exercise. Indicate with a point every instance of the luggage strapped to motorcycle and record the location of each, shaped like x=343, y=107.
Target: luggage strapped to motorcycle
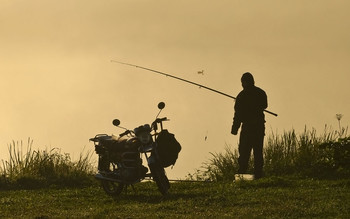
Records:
x=168, y=148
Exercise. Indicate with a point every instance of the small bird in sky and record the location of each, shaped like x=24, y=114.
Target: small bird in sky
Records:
x=201, y=72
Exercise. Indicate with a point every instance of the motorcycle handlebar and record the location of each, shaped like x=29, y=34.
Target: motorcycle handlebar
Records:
x=158, y=120
x=125, y=133
x=161, y=120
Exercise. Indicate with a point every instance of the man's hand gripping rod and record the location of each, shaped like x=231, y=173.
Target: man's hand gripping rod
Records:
x=181, y=79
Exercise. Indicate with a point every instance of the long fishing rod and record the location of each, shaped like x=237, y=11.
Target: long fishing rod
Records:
x=187, y=81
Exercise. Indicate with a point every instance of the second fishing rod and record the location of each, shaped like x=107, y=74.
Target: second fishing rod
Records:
x=187, y=81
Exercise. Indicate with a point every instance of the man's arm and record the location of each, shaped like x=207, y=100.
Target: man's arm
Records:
x=263, y=100
x=237, y=119
x=235, y=126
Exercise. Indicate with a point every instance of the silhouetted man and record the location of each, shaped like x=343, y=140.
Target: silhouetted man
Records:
x=249, y=112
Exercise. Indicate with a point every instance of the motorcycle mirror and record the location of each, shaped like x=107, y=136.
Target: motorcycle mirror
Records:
x=161, y=105
x=116, y=122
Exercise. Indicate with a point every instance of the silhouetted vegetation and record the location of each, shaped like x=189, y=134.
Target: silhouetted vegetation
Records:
x=289, y=154
x=43, y=168
x=302, y=155
x=279, y=195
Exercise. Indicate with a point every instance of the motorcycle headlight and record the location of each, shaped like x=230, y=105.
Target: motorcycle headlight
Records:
x=144, y=137
x=143, y=133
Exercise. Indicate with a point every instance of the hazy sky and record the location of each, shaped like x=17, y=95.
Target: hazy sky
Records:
x=59, y=87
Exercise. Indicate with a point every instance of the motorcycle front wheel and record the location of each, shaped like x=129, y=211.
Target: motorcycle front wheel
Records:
x=159, y=176
x=112, y=188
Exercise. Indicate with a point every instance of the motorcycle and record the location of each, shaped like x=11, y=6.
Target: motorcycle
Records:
x=120, y=161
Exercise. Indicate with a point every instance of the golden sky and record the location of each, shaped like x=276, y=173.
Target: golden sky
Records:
x=59, y=87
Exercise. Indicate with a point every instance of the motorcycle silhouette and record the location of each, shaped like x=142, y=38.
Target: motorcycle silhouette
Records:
x=120, y=161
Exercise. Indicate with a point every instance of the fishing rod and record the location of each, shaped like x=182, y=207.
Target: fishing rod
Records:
x=187, y=81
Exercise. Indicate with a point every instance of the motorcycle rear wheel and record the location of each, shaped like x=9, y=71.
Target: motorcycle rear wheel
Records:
x=112, y=188
x=159, y=176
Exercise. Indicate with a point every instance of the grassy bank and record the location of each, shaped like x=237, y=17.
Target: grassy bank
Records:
x=37, y=168
x=306, y=177
x=275, y=197
x=307, y=154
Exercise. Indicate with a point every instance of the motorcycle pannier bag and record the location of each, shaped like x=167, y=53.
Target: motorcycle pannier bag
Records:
x=168, y=148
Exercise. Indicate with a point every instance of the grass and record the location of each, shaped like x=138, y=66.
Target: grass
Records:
x=40, y=168
x=305, y=155
x=48, y=184
x=274, y=197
